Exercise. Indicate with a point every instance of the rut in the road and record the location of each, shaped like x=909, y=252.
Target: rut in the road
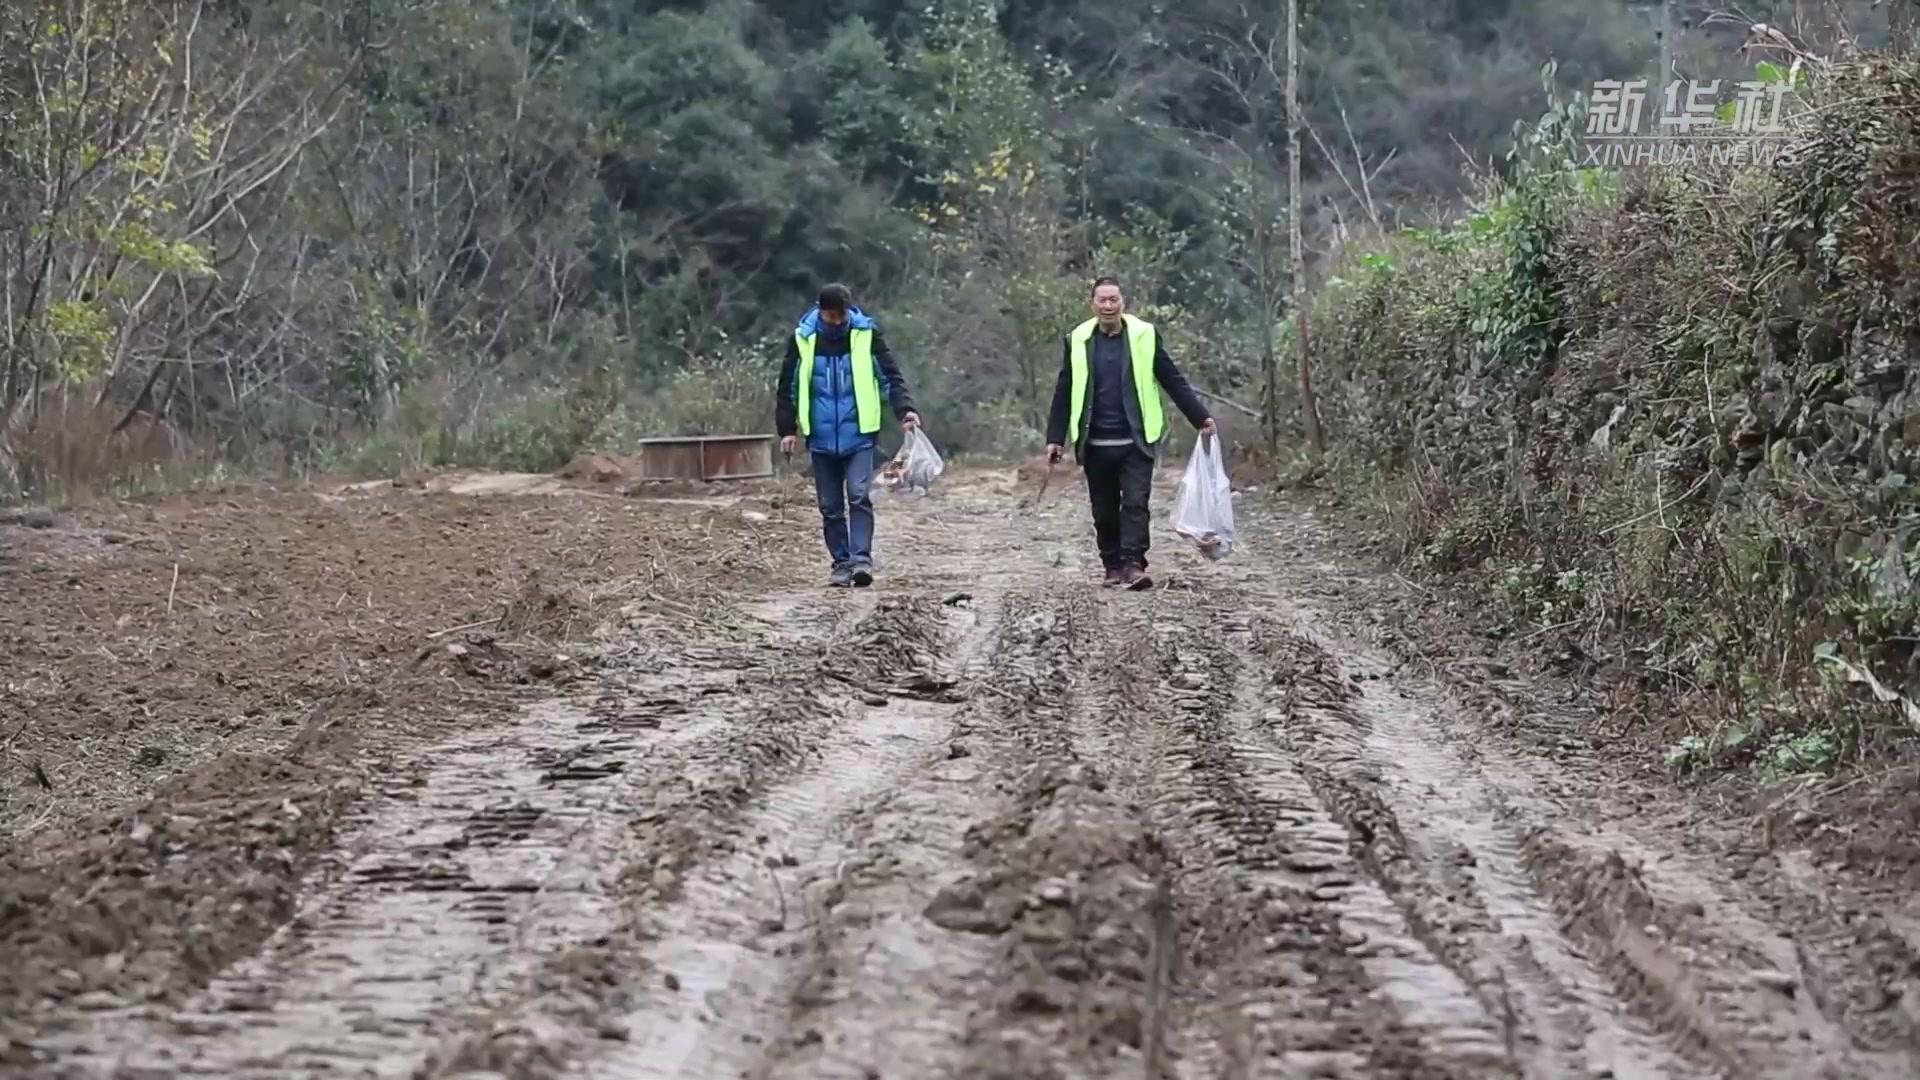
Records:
x=991, y=820
x=1620, y=951
x=795, y=921
x=490, y=905
x=1167, y=904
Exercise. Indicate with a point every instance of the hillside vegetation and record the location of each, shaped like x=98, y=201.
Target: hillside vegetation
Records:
x=1668, y=418
x=404, y=232
x=1665, y=409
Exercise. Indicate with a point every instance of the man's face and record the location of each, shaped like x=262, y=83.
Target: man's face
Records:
x=1108, y=304
x=833, y=316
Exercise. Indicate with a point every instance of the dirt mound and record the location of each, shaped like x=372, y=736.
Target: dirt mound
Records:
x=1076, y=890
x=899, y=637
x=1302, y=674
x=126, y=909
x=192, y=682
x=542, y=612
x=592, y=466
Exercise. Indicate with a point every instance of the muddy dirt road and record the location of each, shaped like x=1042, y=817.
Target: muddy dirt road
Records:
x=986, y=820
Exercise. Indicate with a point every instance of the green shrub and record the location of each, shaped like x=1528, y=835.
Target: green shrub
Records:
x=1673, y=409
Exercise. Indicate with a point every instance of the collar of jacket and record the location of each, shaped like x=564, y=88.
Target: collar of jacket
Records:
x=810, y=322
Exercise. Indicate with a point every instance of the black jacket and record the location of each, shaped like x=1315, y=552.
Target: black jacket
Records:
x=1164, y=373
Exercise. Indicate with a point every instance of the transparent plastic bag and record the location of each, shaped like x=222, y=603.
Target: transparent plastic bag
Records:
x=1203, y=506
x=916, y=466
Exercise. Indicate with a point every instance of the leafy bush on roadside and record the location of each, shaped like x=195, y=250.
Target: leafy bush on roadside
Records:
x=1691, y=391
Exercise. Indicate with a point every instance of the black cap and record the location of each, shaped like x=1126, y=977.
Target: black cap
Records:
x=835, y=297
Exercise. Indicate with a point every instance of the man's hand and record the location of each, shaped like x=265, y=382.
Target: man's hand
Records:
x=910, y=421
x=1210, y=428
x=1054, y=452
x=789, y=443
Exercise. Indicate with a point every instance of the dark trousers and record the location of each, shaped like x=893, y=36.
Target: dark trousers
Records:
x=1119, y=481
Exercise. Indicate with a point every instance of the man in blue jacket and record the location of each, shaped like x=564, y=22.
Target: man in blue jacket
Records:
x=836, y=370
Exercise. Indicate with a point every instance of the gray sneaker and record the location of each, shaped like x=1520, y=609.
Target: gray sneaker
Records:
x=862, y=576
x=842, y=577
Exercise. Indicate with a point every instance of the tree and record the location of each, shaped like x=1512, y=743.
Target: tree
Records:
x=987, y=141
x=1243, y=64
x=141, y=172
x=1297, y=281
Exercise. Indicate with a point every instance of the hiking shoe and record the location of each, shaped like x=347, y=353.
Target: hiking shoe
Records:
x=1135, y=578
x=1114, y=577
x=842, y=577
x=862, y=576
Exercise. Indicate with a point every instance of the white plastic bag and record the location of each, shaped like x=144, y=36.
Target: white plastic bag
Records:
x=916, y=466
x=1203, y=507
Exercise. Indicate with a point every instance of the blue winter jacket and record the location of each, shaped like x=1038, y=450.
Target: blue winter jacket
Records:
x=836, y=421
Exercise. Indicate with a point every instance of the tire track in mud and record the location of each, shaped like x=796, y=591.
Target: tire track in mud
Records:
x=1661, y=943
x=856, y=952
x=1745, y=970
x=1459, y=881
x=1842, y=975
x=1621, y=957
x=1740, y=996
x=453, y=879
x=476, y=884
x=893, y=963
x=1164, y=907
x=792, y=955
x=1044, y=830
x=705, y=897
x=1370, y=972
x=1055, y=879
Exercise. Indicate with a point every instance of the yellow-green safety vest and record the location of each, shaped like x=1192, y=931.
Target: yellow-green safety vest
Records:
x=866, y=384
x=1140, y=343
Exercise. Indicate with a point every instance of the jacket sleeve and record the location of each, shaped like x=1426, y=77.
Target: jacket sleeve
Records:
x=786, y=392
x=1176, y=384
x=1062, y=397
x=890, y=376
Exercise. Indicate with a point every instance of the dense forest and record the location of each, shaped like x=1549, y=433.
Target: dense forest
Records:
x=399, y=232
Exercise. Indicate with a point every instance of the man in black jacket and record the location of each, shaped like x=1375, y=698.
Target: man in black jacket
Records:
x=1106, y=404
